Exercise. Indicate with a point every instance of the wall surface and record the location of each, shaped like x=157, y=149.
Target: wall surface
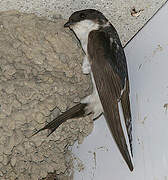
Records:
x=117, y=11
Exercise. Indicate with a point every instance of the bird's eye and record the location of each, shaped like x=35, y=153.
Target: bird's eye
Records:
x=82, y=15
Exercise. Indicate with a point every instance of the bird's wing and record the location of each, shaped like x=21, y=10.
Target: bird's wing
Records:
x=111, y=78
x=117, y=59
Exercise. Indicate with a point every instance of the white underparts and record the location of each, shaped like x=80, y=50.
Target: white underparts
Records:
x=93, y=101
x=82, y=30
x=86, y=66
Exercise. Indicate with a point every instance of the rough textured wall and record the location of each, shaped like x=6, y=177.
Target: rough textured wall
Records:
x=117, y=11
x=40, y=75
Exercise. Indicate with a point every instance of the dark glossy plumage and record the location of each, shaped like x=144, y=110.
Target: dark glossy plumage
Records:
x=109, y=68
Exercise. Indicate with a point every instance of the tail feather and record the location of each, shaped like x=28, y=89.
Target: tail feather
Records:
x=74, y=112
x=127, y=114
x=113, y=120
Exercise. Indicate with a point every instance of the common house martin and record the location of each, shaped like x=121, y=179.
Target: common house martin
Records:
x=105, y=61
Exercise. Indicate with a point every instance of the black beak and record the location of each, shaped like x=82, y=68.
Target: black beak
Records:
x=67, y=24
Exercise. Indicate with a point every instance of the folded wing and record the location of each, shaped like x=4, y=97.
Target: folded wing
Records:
x=109, y=70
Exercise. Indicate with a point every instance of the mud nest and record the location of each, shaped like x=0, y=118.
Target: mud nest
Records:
x=40, y=76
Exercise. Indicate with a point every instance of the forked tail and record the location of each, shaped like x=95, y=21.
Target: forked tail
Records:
x=74, y=112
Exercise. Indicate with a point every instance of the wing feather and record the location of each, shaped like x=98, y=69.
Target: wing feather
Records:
x=109, y=85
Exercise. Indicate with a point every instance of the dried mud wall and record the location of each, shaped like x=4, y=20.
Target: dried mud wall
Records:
x=40, y=76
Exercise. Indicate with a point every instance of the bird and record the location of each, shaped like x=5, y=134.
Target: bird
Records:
x=105, y=61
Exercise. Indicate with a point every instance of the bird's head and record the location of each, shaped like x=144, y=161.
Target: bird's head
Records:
x=84, y=21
